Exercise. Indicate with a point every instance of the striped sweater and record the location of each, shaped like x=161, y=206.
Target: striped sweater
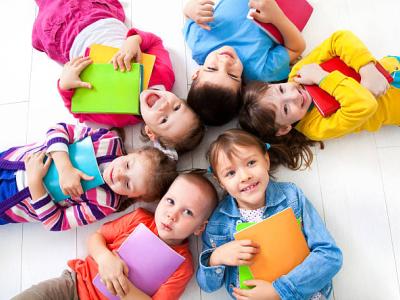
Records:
x=91, y=206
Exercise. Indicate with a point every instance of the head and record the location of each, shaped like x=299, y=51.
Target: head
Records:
x=145, y=174
x=185, y=208
x=215, y=93
x=169, y=120
x=241, y=164
x=269, y=111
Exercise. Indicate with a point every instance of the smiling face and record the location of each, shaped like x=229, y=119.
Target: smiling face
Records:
x=244, y=175
x=289, y=100
x=166, y=115
x=184, y=209
x=222, y=67
x=129, y=175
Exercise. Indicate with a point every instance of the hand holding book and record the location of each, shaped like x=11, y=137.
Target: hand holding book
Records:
x=373, y=80
x=310, y=74
x=70, y=75
x=129, y=52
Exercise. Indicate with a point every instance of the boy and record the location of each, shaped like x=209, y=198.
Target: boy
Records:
x=177, y=216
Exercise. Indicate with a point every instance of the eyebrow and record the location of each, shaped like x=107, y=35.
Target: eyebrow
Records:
x=211, y=71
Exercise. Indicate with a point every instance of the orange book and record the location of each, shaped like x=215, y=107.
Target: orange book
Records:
x=282, y=245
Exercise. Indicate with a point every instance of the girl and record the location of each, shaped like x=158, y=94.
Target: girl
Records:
x=284, y=114
x=145, y=174
x=225, y=43
x=64, y=29
x=240, y=162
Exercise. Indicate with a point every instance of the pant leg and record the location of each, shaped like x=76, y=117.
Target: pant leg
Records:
x=61, y=288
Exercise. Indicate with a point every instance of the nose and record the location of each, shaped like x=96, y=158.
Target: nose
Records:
x=172, y=215
x=120, y=175
x=245, y=175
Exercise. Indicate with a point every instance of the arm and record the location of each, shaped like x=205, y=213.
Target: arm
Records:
x=325, y=256
x=268, y=11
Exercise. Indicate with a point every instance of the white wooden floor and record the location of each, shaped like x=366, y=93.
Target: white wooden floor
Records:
x=353, y=183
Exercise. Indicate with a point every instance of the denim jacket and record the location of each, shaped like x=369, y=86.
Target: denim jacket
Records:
x=314, y=274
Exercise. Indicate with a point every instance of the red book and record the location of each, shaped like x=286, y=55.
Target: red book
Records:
x=297, y=11
x=325, y=103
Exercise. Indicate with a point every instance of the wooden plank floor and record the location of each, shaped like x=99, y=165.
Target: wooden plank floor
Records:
x=353, y=183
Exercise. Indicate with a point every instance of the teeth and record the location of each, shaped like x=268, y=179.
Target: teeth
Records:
x=249, y=187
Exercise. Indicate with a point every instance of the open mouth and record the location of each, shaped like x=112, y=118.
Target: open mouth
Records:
x=250, y=187
x=151, y=99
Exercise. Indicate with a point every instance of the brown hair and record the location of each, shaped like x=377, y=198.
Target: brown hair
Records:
x=184, y=144
x=294, y=147
x=162, y=172
x=214, y=104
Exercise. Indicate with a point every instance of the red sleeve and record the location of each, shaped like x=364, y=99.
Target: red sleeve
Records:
x=174, y=287
x=162, y=71
x=117, y=120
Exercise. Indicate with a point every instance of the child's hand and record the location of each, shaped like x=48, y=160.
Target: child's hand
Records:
x=310, y=74
x=266, y=11
x=130, y=51
x=70, y=181
x=373, y=80
x=200, y=11
x=263, y=290
x=234, y=253
x=69, y=78
x=35, y=168
x=113, y=273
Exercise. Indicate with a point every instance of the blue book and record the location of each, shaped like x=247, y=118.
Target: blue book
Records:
x=82, y=158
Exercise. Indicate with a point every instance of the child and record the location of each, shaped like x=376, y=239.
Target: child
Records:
x=64, y=29
x=225, y=43
x=240, y=162
x=283, y=113
x=145, y=174
x=177, y=216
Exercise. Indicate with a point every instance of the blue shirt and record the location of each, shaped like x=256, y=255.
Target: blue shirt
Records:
x=314, y=274
x=262, y=58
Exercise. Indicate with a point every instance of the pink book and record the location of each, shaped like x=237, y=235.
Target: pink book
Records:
x=149, y=259
x=297, y=11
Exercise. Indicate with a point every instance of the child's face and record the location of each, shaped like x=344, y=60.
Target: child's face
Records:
x=182, y=211
x=222, y=67
x=289, y=100
x=129, y=175
x=166, y=115
x=244, y=176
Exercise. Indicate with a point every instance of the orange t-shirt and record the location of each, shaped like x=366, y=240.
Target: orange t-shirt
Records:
x=115, y=233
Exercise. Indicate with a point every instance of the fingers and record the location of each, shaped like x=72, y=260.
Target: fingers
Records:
x=85, y=176
x=240, y=294
x=83, y=84
x=110, y=287
x=207, y=2
x=127, y=62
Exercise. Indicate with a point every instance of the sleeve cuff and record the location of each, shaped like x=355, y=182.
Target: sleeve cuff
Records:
x=285, y=289
x=204, y=259
x=362, y=60
x=330, y=82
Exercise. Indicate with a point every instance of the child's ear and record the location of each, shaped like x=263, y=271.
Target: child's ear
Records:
x=283, y=130
x=152, y=136
x=200, y=229
x=266, y=156
x=195, y=74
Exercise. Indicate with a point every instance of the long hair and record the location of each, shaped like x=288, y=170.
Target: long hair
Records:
x=293, y=147
x=214, y=104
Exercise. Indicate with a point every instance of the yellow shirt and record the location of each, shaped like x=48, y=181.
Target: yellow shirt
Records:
x=359, y=109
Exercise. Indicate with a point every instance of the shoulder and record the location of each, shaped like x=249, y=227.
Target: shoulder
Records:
x=292, y=195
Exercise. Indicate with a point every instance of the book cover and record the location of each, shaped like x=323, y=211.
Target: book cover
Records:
x=112, y=91
x=282, y=245
x=82, y=157
x=327, y=104
x=244, y=271
x=297, y=11
x=150, y=261
x=102, y=54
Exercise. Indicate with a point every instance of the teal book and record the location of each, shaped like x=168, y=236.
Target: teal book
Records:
x=112, y=91
x=82, y=157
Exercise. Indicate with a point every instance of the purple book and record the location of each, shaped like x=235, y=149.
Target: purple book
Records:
x=150, y=261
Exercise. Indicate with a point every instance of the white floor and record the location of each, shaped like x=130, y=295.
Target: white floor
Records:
x=353, y=183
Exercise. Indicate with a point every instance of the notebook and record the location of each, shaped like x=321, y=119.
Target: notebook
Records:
x=101, y=54
x=282, y=245
x=83, y=158
x=325, y=103
x=297, y=11
x=112, y=91
x=150, y=261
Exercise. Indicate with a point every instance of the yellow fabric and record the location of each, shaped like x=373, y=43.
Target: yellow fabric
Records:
x=359, y=110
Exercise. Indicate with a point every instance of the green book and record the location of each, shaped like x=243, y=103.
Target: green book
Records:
x=112, y=91
x=244, y=271
x=83, y=158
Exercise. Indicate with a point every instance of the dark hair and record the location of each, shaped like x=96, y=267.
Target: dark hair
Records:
x=294, y=147
x=214, y=104
x=162, y=173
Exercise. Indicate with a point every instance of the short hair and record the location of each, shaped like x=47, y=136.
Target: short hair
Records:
x=162, y=173
x=214, y=104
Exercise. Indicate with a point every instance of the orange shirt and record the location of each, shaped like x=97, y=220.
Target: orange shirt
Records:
x=115, y=233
